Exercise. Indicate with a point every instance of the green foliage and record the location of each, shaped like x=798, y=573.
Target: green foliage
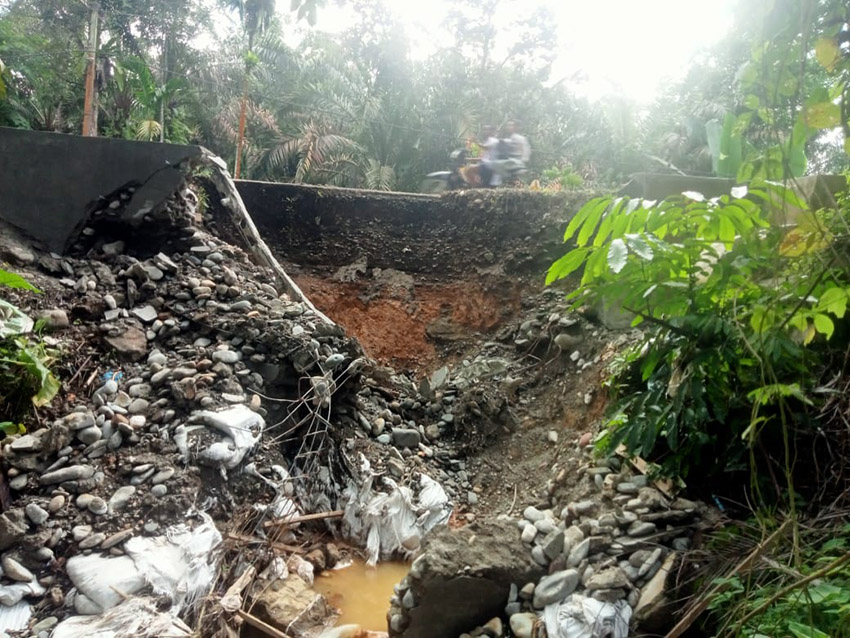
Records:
x=774, y=600
x=560, y=178
x=724, y=140
x=731, y=304
x=25, y=377
x=13, y=280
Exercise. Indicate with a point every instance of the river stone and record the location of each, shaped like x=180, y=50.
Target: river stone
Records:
x=555, y=587
x=80, y=532
x=138, y=406
x=162, y=476
x=14, y=570
x=117, y=539
x=98, y=506
x=529, y=533
x=83, y=500
x=90, y=436
x=92, y=541
x=403, y=437
x=553, y=544
x=538, y=556
x=640, y=528
x=293, y=604
x=627, y=488
x=159, y=491
x=25, y=443
x=610, y=578
x=79, y=420
x=71, y=473
x=121, y=497
x=13, y=527
x=146, y=313
x=132, y=343
x=55, y=319
x=533, y=514
x=44, y=625
x=522, y=625
x=545, y=525
x=578, y=553
x=36, y=514
x=56, y=503
x=226, y=356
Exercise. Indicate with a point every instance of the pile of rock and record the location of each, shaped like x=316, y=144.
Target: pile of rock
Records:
x=616, y=548
x=188, y=355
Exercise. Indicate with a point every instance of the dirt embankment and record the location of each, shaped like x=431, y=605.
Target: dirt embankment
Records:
x=418, y=280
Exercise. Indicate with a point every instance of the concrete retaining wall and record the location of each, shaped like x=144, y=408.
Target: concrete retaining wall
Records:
x=49, y=182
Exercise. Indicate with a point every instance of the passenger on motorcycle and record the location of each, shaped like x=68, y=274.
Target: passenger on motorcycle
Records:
x=489, y=156
x=512, y=152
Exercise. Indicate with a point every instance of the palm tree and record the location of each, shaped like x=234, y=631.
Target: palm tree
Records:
x=256, y=15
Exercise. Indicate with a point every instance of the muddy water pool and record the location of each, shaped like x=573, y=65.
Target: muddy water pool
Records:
x=361, y=593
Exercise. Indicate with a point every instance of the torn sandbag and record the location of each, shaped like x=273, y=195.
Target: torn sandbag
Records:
x=242, y=428
x=584, y=617
x=395, y=521
x=136, y=617
x=13, y=321
x=179, y=565
x=14, y=617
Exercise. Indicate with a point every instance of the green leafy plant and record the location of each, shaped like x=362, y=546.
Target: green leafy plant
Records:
x=25, y=377
x=733, y=305
x=803, y=597
x=560, y=178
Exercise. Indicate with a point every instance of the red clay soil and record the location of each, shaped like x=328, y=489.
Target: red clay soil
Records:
x=415, y=327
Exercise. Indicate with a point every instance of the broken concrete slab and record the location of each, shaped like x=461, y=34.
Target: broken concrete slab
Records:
x=462, y=579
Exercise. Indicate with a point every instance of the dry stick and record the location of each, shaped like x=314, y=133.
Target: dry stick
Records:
x=284, y=547
x=259, y=624
x=305, y=518
x=825, y=571
x=689, y=618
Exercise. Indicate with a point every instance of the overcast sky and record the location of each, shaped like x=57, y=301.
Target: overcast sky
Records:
x=630, y=46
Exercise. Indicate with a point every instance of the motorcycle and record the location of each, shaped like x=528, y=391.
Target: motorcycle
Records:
x=465, y=172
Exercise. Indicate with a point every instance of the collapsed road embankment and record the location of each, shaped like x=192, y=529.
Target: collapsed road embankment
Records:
x=218, y=440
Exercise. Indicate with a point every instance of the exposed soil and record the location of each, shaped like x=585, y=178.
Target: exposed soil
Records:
x=414, y=326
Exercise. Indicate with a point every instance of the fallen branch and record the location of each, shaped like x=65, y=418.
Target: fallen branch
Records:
x=303, y=519
x=295, y=549
x=259, y=624
x=231, y=602
x=744, y=566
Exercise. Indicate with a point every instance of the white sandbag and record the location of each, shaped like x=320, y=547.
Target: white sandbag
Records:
x=180, y=565
x=14, y=617
x=242, y=428
x=393, y=521
x=583, y=617
x=104, y=580
x=137, y=617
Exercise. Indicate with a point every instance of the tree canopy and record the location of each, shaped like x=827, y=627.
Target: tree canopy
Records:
x=359, y=109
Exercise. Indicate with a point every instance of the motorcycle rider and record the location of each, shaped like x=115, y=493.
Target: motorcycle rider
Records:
x=520, y=149
x=489, y=157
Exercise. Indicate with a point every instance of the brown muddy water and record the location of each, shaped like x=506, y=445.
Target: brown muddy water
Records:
x=361, y=593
